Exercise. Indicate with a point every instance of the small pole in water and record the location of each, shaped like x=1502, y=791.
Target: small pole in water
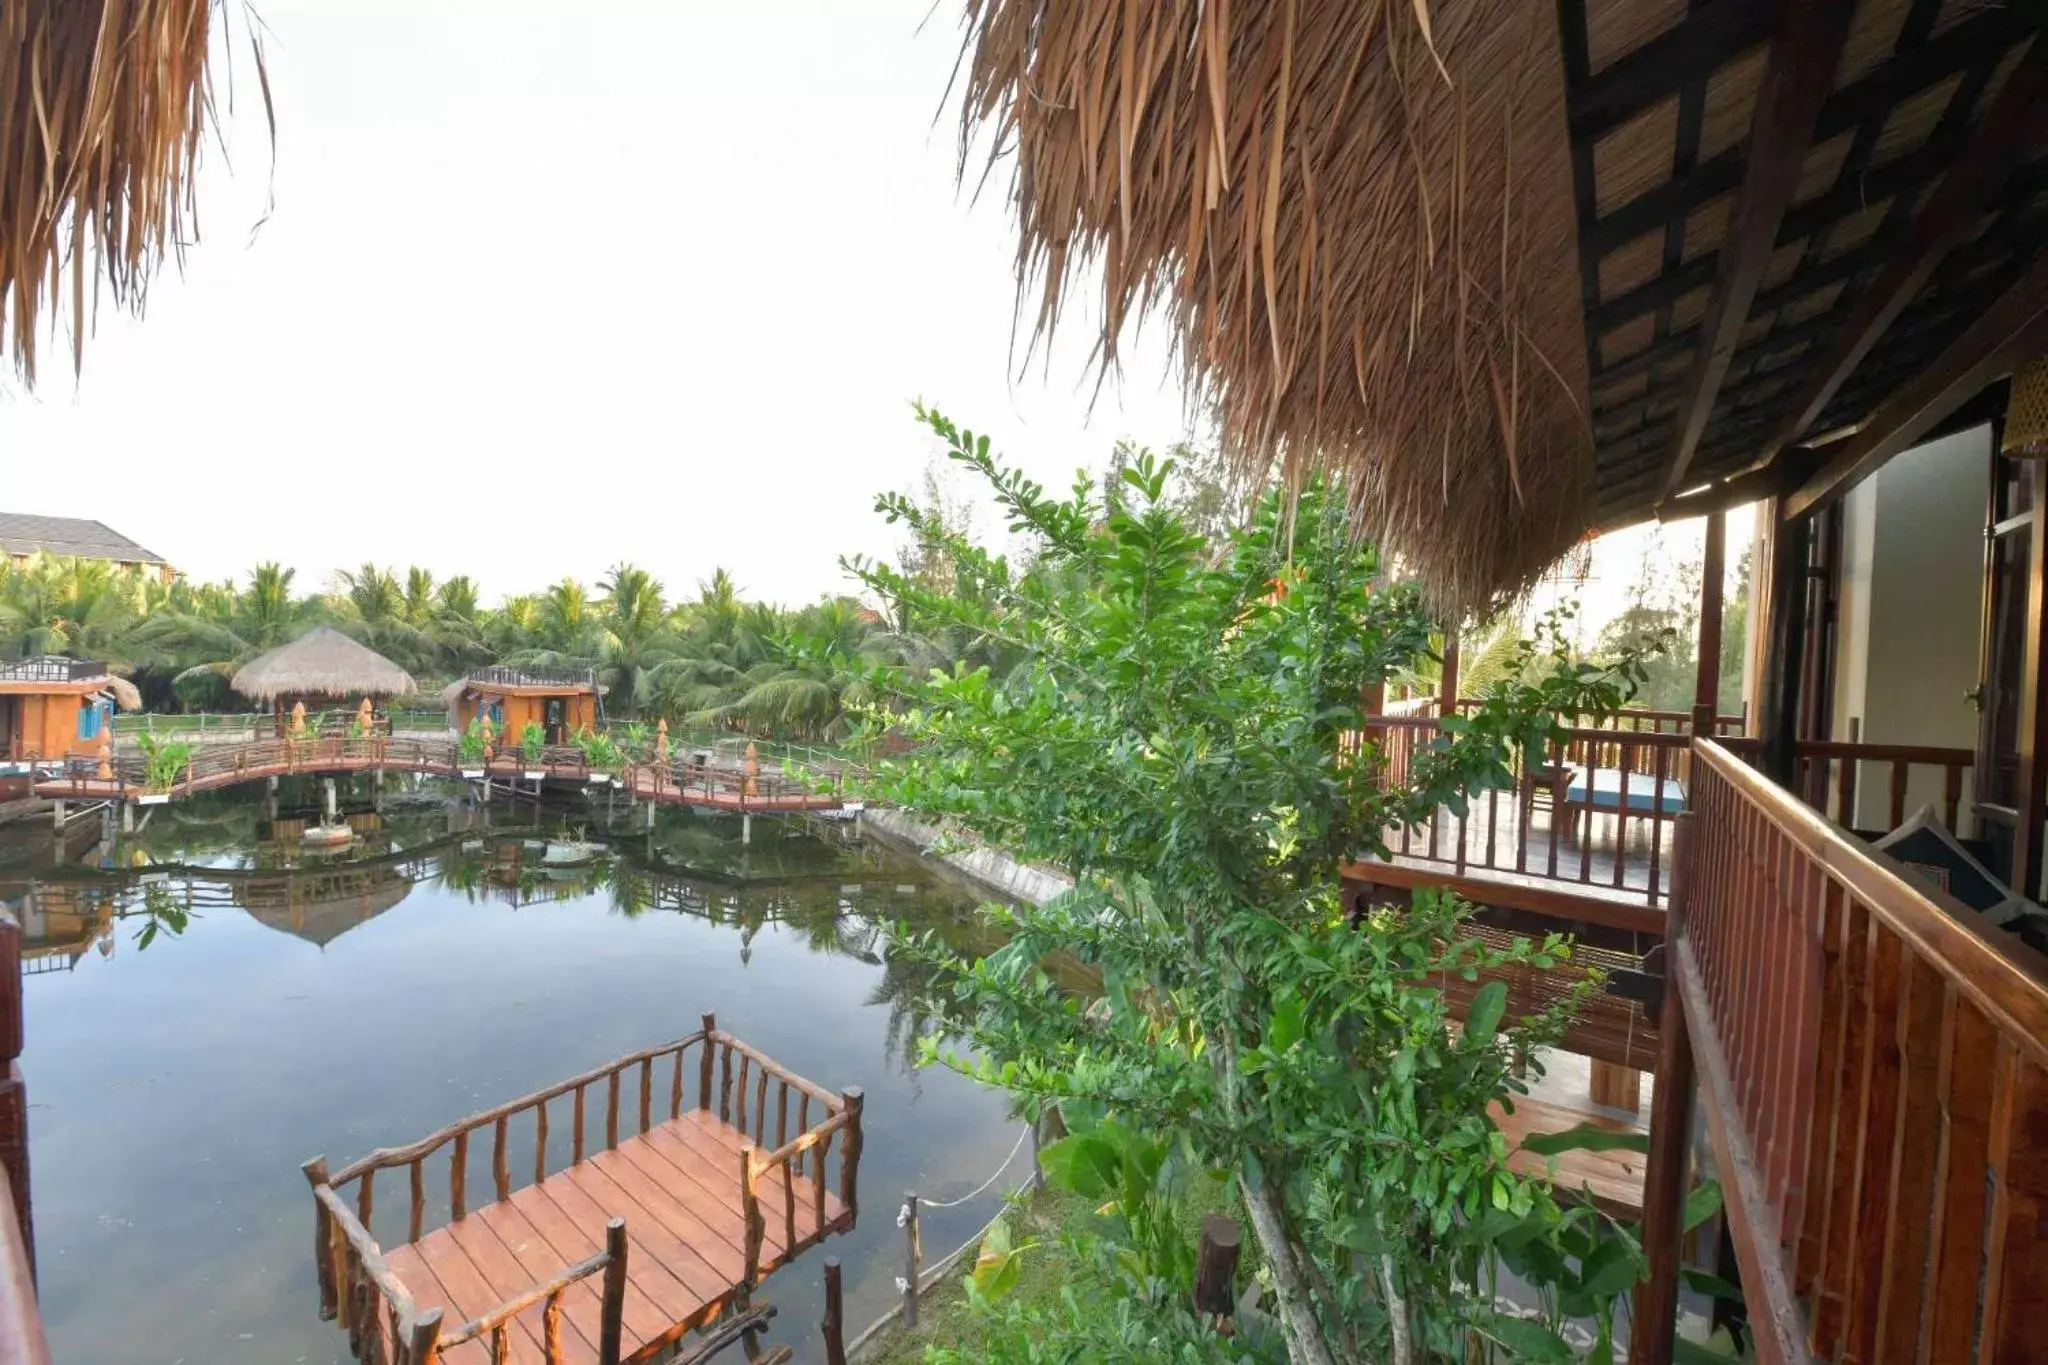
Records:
x=747, y=828
x=57, y=815
x=327, y=787
x=910, y=1259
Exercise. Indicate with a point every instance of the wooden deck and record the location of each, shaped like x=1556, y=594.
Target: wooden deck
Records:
x=1615, y=1179
x=661, y=1219
x=674, y=782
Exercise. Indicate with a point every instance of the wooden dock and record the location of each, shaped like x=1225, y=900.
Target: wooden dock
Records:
x=645, y=1216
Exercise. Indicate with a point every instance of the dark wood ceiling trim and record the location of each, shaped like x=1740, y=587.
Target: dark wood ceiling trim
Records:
x=1713, y=32
x=1981, y=39
x=1767, y=481
x=1804, y=53
x=2001, y=137
x=2013, y=327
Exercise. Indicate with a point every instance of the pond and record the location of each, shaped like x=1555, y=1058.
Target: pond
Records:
x=208, y=1007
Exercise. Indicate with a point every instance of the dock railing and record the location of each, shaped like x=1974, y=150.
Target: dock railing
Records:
x=1874, y=1062
x=21, y=1321
x=379, y=1311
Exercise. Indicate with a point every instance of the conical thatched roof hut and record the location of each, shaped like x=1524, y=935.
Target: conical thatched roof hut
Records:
x=321, y=663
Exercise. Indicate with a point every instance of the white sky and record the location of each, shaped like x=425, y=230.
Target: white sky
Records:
x=547, y=287
x=552, y=286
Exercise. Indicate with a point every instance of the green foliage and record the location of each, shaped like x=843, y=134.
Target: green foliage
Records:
x=471, y=745
x=600, y=752
x=533, y=741
x=1175, y=733
x=164, y=761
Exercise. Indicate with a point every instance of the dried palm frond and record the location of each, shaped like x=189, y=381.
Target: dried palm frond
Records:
x=102, y=107
x=1358, y=216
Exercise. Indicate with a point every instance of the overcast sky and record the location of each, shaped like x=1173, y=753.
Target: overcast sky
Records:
x=551, y=286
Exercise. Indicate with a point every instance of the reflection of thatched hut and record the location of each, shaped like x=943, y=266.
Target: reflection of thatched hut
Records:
x=320, y=907
x=321, y=666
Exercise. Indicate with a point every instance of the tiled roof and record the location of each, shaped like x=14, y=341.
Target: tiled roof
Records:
x=22, y=534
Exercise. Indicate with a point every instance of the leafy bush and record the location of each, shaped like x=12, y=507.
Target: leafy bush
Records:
x=164, y=761
x=1180, y=734
x=471, y=745
x=533, y=741
x=599, y=752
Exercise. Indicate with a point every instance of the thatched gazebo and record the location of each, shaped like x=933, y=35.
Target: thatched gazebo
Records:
x=321, y=666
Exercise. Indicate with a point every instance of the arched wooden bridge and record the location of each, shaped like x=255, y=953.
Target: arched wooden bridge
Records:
x=680, y=780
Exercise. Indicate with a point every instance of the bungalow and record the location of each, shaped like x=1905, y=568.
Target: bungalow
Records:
x=562, y=701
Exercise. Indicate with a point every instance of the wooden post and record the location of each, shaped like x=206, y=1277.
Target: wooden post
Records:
x=1706, y=698
x=704, y=1063
x=1787, y=637
x=425, y=1347
x=1655, y=1317
x=1216, y=1265
x=614, y=1292
x=911, y=1258
x=834, y=1325
x=1447, y=699
x=849, y=1153
x=323, y=1240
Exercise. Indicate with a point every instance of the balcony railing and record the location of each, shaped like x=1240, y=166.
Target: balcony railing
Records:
x=51, y=668
x=505, y=675
x=1874, y=1062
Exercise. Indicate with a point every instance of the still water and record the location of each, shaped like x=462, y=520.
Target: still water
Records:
x=208, y=1007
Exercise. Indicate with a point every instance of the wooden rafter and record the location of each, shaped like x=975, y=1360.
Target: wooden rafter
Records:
x=1803, y=55
x=2001, y=138
x=2015, y=325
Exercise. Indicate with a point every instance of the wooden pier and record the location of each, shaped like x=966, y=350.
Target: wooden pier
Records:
x=674, y=781
x=645, y=1215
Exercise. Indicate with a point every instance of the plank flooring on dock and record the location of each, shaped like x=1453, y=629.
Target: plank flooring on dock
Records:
x=1614, y=1178
x=678, y=1188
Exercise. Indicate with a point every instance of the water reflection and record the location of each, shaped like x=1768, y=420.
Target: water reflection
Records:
x=210, y=1002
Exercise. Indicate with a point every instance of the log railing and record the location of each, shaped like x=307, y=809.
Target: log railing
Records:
x=799, y=1151
x=375, y=1306
x=1874, y=1061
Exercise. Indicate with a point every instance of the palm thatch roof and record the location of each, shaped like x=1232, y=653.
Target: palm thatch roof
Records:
x=104, y=106
x=321, y=907
x=1521, y=268
x=321, y=663
x=1354, y=216
x=126, y=695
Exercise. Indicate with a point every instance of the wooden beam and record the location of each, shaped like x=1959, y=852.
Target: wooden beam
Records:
x=1750, y=486
x=1804, y=52
x=2012, y=327
x=2001, y=139
x=1712, y=33
x=1668, y=1171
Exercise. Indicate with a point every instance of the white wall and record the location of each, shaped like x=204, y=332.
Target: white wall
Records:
x=1910, y=607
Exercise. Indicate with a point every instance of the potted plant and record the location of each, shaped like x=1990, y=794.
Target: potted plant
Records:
x=163, y=761
x=533, y=743
x=600, y=755
x=471, y=752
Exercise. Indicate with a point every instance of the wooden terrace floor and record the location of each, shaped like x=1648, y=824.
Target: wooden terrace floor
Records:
x=678, y=1188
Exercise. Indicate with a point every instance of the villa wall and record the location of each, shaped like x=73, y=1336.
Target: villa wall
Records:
x=1910, y=609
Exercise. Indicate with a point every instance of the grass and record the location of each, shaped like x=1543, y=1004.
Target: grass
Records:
x=945, y=1318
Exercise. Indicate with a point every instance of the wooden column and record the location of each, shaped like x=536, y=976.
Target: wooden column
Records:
x=1447, y=700
x=2032, y=794
x=1655, y=1318
x=1785, y=640
x=1706, y=698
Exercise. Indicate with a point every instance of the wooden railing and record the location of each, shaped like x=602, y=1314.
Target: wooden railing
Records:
x=791, y=1155
x=379, y=1311
x=1627, y=783
x=1874, y=1061
x=21, y=1320
x=1638, y=720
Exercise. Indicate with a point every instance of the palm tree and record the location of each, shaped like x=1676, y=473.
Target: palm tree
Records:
x=66, y=605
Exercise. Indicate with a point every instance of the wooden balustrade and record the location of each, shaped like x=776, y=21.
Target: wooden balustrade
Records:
x=1874, y=1061
x=21, y=1321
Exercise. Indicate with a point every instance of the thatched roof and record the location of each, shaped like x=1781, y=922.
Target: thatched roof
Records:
x=125, y=694
x=325, y=663
x=1356, y=224
x=104, y=106
x=320, y=907
x=1524, y=268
